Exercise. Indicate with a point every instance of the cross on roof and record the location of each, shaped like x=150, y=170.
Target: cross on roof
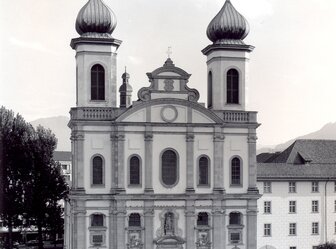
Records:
x=169, y=52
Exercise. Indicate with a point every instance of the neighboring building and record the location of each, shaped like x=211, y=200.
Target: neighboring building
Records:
x=163, y=171
x=298, y=206
x=64, y=158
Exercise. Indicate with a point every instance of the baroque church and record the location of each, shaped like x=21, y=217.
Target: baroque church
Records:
x=165, y=171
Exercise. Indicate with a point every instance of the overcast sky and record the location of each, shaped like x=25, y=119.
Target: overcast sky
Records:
x=292, y=69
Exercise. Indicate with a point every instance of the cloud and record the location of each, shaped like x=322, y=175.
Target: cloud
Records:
x=135, y=60
x=31, y=45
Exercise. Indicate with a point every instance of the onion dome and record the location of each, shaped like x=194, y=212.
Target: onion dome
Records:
x=228, y=25
x=95, y=19
x=125, y=87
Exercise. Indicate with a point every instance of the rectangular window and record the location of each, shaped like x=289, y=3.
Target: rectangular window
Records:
x=267, y=207
x=315, y=228
x=335, y=206
x=267, y=187
x=315, y=206
x=292, y=187
x=335, y=186
x=292, y=206
x=292, y=228
x=267, y=230
x=235, y=238
x=292, y=247
x=335, y=228
x=315, y=187
x=315, y=247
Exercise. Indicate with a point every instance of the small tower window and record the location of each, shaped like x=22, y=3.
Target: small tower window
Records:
x=232, y=79
x=210, y=89
x=235, y=171
x=134, y=220
x=169, y=167
x=202, y=219
x=203, y=171
x=134, y=171
x=97, y=82
x=97, y=171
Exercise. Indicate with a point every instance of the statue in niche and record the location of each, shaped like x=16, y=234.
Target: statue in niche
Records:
x=169, y=224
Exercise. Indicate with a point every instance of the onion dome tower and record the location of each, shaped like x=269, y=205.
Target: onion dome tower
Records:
x=227, y=59
x=125, y=91
x=96, y=67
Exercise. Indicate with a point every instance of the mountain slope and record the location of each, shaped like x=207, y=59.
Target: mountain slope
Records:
x=59, y=126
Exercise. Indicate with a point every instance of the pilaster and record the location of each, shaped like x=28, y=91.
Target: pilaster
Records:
x=148, y=137
x=190, y=137
x=251, y=231
x=218, y=140
x=218, y=227
x=113, y=226
x=77, y=143
x=149, y=223
x=119, y=162
x=252, y=180
x=114, y=168
x=190, y=224
x=80, y=229
x=121, y=219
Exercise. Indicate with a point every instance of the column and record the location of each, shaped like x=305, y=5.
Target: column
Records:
x=218, y=140
x=217, y=231
x=251, y=226
x=80, y=228
x=149, y=224
x=148, y=160
x=77, y=143
x=190, y=159
x=252, y=179
x=120, y=224
x=190, y=224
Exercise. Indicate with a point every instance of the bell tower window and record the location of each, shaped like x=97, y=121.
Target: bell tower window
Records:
x=210, y=89
x=97, y=82
x=232, y=81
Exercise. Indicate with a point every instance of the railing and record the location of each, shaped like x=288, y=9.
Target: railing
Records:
x=93, y=113
x=240, y=117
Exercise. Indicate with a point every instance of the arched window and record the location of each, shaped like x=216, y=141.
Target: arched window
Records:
x=97, y=82
x=235, y=218
x=169, y=171
x=232, y=80
x=235, y=171
x=203, y=171
x=134, y=220
x=97, y=171
x=202, y=219
x=97, y=220
x=134, y=171
x=210, y=89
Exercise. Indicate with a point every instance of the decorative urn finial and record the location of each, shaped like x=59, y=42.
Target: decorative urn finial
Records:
x=228, y=25
x=95, y=19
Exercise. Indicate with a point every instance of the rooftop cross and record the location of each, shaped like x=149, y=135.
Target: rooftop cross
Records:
x=169, y=52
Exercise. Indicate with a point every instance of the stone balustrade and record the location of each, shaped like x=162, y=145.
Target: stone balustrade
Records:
x=239, y=116
x=93, y=113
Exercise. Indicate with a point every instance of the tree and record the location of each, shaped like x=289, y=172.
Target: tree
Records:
x=31, y=184
x=15, y=135
x=327, y=245
x=47, y=186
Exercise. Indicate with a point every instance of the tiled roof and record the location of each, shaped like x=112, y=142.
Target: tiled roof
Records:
x=302, y=159
x=62, y=156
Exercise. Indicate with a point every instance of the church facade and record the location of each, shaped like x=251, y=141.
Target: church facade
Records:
x=164, y=171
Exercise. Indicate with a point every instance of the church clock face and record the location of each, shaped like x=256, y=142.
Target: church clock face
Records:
x=169, y=113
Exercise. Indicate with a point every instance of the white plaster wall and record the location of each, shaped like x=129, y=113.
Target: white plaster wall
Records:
x=235, y=145
x=280, y=216
x=200, y=118
x=97, y=144
x=160, y=143
x=157, y=117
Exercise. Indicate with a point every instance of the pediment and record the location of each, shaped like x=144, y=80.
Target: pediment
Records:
x=168, y=111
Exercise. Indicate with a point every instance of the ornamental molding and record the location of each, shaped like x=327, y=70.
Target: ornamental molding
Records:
x=148, y=137
x=169, y=113
x=218, y=138
x=190, y=137
x=252, y=138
